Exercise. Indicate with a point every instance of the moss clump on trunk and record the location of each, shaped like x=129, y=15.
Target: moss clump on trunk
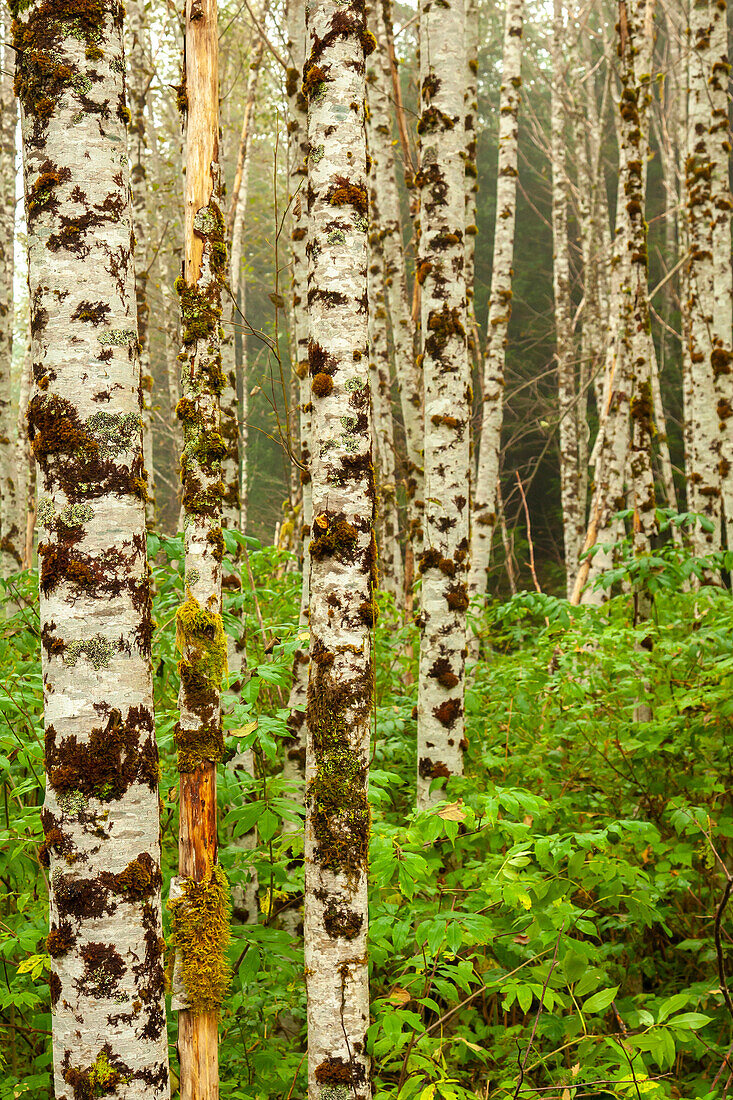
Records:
x=201, y=936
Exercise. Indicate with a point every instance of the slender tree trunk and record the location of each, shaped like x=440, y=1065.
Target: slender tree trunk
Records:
x=11, y=534
x=140, y=79
x=471, y=171
x=573, y=508
x=700, y=168
x=444, y=561
x=409, y=380
x=294, y=766
x=720, y=195
x=100, y=817
x=391, y=577
x=200, y=980
x=343, y=557
x=500, y=303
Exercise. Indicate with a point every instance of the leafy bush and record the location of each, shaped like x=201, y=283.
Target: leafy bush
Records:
x=550, y=929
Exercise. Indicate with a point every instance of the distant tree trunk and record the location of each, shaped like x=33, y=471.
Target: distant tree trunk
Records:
x=444, y=560
x=720, y=195
x=500, y=303
x=573, y=508
x=700, y=169
x=294, y=766
x=624, y=458
x=140, y=79
x=343, y=558
x=390, y=555
x=409, y=380
x=100, y=817
x=11, y=531
x=201, y=640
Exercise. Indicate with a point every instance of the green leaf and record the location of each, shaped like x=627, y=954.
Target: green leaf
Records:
x=600, y=1001
x=689, y=1021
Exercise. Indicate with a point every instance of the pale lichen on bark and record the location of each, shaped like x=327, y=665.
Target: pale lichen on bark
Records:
x=102, y=836
x=444, y=559
x=343, y=555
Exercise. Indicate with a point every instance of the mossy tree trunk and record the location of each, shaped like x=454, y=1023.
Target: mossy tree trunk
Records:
x=201, y=637
x=294, y=764
x=343, y=556
x=11, y=514
x=102, y=835
x=444, y=560
x=484, y=508
x=141, y=76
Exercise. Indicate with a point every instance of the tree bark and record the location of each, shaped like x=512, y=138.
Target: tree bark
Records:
x=409, y=381
x=573, y=507
x=444, y=561
x=343, y=556
x=294, y=766
x=484, y=509
x=11, y=529
x=140, y=79
x=100, y=817
x=701, y=272
x=200, y=633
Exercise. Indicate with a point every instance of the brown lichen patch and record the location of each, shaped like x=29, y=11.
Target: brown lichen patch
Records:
x=448, y=712
x=114, y=757
x=103, y=968
x=335, y=1071
x=457, y=597
x=138, y=881
x=345, y=193
x=430, y=769
x=442, y=672
x=322, y=385
x=341, y=922
x=443, y=324
x=60, y=940
x=333, y=536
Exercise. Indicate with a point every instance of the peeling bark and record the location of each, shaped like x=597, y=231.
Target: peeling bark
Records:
x=343, y=555
x=100, y=817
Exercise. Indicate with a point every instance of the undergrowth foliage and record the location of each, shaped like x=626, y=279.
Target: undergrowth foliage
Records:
x=556, y=927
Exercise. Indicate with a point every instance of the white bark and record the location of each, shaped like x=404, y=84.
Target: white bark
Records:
x=409, y=380
x=101, y=810
x=701, y=272
x=294, y=765
x=11, y=530
x=343, y=558
x=484, y=508
x=573, y=507
x=444, y=561
x=140, y=79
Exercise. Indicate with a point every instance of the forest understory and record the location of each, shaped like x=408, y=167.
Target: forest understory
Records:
x=552, y=929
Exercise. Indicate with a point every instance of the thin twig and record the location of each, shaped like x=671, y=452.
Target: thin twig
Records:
x=539, y=1010
x=529, y=535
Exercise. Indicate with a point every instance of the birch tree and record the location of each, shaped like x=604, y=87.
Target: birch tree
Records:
x=140, y=79
x=297, y=127
x=100, y=817
x=484, y=507
x=10, y=533
x=699, y=171
x=199, y=896
x=444, y=560
x=343, y=555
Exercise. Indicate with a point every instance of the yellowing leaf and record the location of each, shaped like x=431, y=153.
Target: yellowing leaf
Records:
x=244, y=731
x=453, y=812
x=399, y=996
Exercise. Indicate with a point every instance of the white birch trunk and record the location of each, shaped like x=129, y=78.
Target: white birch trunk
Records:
x=11, y=532
x=484, y=510
x=409, y=379
x=101, y=810
x=294, y=764
x=140, y=79
x=343, y=557
x=444, y=560
x=700, y=168
x=471, y=169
